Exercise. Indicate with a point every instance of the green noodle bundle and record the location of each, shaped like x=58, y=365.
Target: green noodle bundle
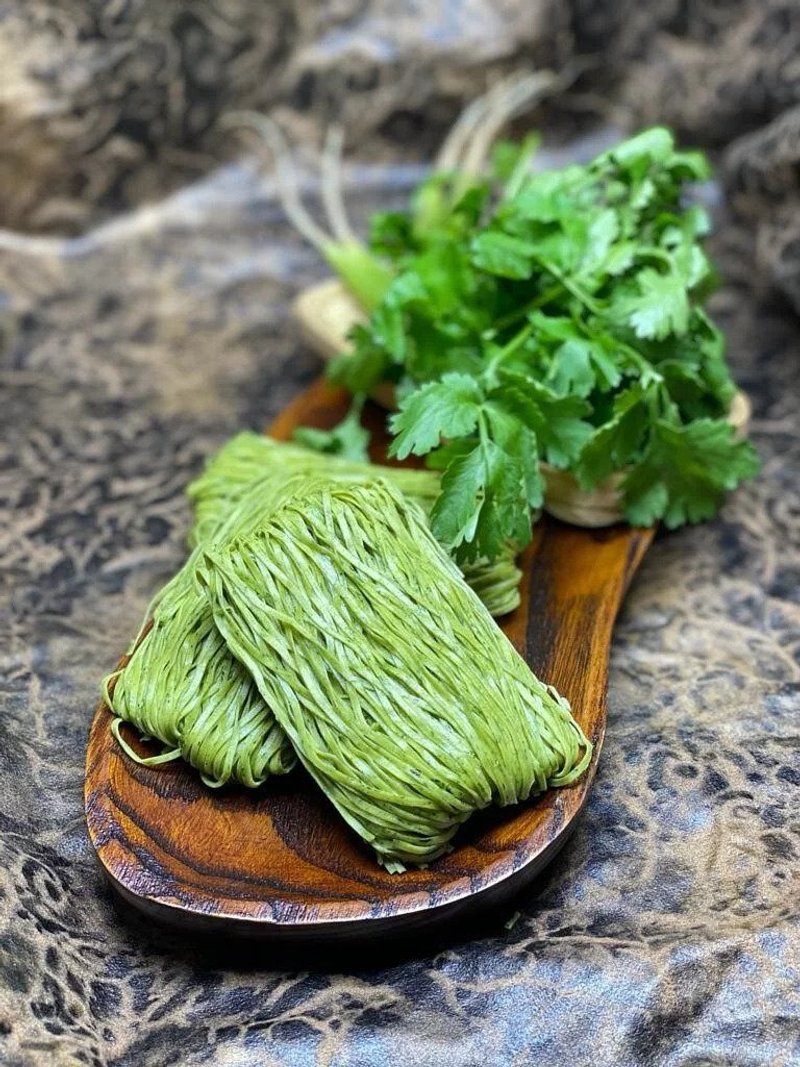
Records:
x=184, y=687
x=231, y=473
x=400, y=695
x=248, y=456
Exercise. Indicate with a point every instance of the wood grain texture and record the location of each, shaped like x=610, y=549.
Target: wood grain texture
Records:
x=279, y=861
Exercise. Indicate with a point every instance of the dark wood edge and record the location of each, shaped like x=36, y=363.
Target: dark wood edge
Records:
x=398, y=923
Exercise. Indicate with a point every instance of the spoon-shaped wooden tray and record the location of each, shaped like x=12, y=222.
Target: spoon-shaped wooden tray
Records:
x=280, y=861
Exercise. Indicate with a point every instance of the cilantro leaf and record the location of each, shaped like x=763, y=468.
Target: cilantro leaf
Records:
x=685, y=472
x=388, y=331
x=348, y=439
x=555, y=420
x=571, y=370
x=519, y=442
x=601, y=234
x=660, y=307
x=502, y=254
x=641, y=151
x=360, y=371
x=580, y=365
x=390, y=234
x=480, y=507
x=443, y=272
x=547, y=197
x=456, y=513
x=445, y=408
x=614, y=444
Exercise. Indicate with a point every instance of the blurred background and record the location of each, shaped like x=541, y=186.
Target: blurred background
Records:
x=106, y=106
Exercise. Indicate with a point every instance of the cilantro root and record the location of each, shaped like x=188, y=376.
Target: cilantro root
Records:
x=365, y=275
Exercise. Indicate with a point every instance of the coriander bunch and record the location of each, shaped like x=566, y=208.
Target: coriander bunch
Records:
x=554, y=317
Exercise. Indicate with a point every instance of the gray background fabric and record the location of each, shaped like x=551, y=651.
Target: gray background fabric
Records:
x=104, y=106
x=145, y=276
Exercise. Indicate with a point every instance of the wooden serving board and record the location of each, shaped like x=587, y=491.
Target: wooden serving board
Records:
x=280, y=861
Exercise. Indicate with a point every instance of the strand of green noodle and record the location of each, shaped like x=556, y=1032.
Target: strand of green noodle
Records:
x=400, y=695
x=249, y=456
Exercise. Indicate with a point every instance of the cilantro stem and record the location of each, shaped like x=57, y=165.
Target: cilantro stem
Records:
x=650, y=252
x=648, y=372
x=362, y=273
x=649, y=375
x=483, y=428
x=519, y=338
x=526, y=309
x=571, y=287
